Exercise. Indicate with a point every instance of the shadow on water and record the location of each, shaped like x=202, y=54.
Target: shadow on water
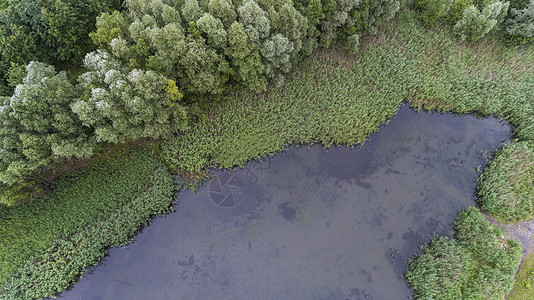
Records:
x=308, y=223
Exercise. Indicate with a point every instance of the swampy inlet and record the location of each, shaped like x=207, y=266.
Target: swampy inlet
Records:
x=308, y=223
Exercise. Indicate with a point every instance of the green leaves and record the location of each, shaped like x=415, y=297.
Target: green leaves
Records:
x=39, y=125
x=522, y=22
x=125, y=105
x=431, y=11
x=474, y=24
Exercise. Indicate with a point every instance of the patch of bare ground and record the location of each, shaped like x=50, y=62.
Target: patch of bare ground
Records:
x=522, y=232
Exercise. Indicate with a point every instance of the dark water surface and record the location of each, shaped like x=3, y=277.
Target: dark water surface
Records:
x=308, y=223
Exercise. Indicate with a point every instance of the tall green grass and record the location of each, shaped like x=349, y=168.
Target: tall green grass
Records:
x=60, y=264
x=506, y=188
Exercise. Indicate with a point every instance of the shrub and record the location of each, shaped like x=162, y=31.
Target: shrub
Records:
x=353, y=43
x=475, y=234
x=441, y=270
x=476, y=264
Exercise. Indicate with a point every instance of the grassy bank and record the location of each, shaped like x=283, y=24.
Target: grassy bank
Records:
x=524, y=281
x=80, y=217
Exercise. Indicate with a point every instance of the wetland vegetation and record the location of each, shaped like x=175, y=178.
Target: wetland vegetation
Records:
x=218, y=83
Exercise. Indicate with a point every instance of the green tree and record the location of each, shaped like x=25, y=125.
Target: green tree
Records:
x=108, y=27
x=38, y=125
x=431, y=10
x=191, y=11
x=521, y=24
x=353, y=43
x=52, y=31
x=122, y=105
x=204, y=71
x=213, y=29
x=474, y=24
x=255, y=20
x=245, y=59
x=457, y=10
x=286, y=20
x=223, y=10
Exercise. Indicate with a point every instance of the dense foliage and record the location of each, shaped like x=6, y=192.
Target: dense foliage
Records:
x=66, y=258
x=208, y=46
x=46, y=30
x=476, y=264
x=506, y=188
x=38, y=124
x=160, y=61
x=77, y=203
x=123, y=106
x=520, y=25
x=475, y=24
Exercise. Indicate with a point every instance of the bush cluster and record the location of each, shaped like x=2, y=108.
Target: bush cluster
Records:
x=476, y=264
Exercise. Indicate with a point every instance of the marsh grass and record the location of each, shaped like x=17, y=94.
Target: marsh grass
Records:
x=77, y=202
x=506, y=189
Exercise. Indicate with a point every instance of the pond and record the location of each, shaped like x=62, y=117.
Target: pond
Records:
x=308, y=223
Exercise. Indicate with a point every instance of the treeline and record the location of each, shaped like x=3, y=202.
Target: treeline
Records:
x=157, y=62
x=473, y=19
x=160, y=63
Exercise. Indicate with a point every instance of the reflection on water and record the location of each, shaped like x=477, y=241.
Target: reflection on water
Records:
x=308, y=223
